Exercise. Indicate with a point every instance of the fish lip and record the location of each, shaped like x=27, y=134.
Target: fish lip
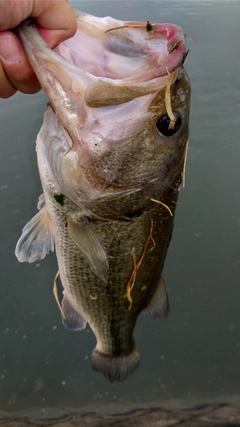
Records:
x=175, y=57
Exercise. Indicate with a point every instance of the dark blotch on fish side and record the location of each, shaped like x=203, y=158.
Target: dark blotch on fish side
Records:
x=59, y=198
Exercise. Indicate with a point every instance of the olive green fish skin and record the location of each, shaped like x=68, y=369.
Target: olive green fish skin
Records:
x=104, y=305
x=103, y=168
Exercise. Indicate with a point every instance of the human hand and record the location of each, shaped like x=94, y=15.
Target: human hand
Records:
x=56, y=23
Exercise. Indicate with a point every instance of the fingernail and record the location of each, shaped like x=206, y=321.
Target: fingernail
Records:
x=10, y=48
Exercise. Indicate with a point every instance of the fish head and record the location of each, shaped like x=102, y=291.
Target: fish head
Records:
x=107, y=86
x=131, y=144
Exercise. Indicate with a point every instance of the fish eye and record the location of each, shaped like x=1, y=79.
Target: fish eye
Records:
x=163, y=125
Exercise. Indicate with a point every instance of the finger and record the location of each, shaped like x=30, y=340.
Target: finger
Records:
x=57, y=29
x=55, y=17
x=16, y=72
x=6, y=88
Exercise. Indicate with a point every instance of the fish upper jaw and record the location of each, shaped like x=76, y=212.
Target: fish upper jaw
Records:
x=117, y=62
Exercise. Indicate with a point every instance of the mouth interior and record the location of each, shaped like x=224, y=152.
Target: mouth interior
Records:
x=116, y=53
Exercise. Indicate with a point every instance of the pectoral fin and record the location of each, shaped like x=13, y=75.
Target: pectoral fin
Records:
x=73, y=320
x=36, y=239
x=88, y=242
x=158, y=306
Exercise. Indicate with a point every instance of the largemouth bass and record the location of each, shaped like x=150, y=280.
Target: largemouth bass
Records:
x=111, y=155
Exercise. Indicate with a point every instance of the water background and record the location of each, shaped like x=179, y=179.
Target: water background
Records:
x=193, y=356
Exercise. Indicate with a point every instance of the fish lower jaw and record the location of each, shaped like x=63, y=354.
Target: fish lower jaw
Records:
x=115, y=368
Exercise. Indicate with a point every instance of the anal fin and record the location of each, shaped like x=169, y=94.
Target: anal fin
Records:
x=73, y=320
x=158, y=308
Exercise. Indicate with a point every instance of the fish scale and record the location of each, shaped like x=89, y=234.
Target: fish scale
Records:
x=85, y=286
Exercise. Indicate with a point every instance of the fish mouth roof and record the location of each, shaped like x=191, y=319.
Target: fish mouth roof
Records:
x=132, y=52
x=106, y=50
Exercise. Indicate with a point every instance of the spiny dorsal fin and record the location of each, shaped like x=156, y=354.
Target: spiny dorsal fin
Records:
x=158, y=307
x=88, y=242
x=36, y=239
x=73, y=320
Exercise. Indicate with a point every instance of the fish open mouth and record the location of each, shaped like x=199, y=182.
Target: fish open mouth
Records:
x=133, y=51
x=108, y=61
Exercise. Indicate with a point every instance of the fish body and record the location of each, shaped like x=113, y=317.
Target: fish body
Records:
x=111, y=169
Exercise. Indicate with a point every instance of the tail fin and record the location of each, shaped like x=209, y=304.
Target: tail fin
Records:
x=115, y=368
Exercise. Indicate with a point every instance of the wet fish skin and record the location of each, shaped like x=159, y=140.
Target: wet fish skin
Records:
x=100, y=166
